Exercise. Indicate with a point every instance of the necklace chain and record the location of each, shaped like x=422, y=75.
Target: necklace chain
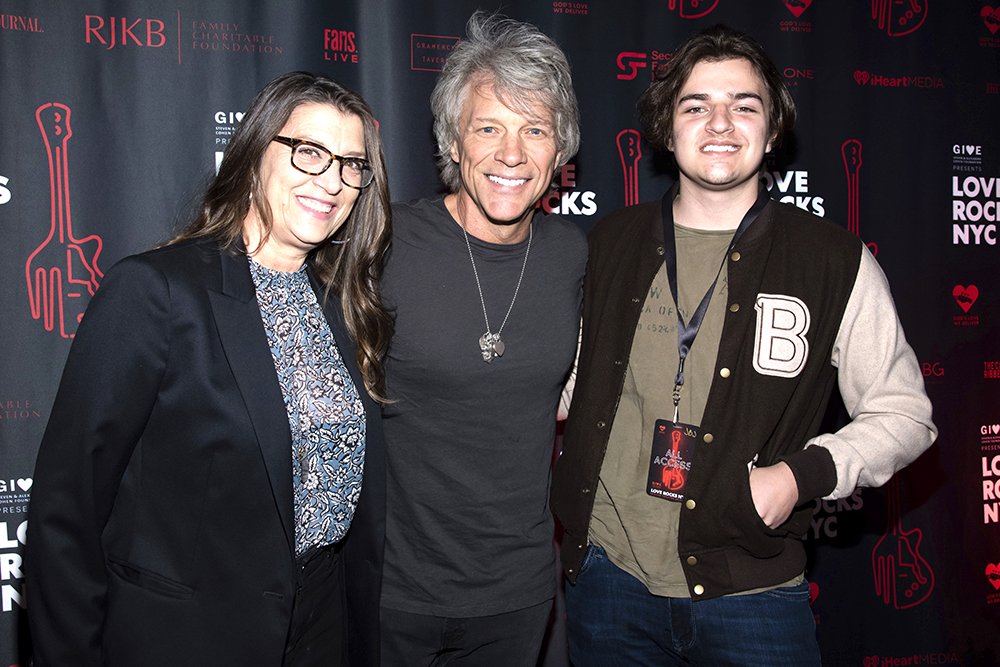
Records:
x=489, y=343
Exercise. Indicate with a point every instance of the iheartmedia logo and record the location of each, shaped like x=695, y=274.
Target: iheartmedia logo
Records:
x=428, y=52
x=340, y=46
x=899, y=17
x=630, y=62
x=864, y=78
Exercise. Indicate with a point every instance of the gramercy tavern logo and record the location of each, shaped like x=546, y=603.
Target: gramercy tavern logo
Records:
x=899, y=17
x=693, y=9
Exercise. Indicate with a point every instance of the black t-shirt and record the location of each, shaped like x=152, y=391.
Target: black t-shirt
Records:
x=469, y=532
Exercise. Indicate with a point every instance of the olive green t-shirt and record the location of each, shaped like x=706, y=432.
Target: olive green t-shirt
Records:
x=639, y=531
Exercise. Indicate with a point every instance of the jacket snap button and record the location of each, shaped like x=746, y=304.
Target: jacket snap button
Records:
x=735, y=257
x=724, y=372
x=692, y=560
x=699, y=590
x=735, y=307
x=690, y=504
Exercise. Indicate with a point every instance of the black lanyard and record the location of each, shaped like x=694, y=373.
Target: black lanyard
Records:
x=686, y=333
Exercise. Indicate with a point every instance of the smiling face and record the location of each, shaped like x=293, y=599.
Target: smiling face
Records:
x=506, y=162
x=720, y=130
x=306, y=210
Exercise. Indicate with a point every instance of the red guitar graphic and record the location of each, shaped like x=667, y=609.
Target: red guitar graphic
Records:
x=902, y=576
x=852, y=163
x=899, y=17
x=61, y=273
x=673, y=478
x=628, y=149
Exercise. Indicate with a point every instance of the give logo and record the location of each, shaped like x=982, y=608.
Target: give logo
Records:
x=965, y=296
x=991, y=17
x=993, y=574
x=25, y=484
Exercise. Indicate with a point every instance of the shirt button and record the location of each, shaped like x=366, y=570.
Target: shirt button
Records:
x=709, y=437
x=660, y=250
x=724, y=372
x=734, y=307
x=690, y=504
x=692, y=560
x=579, y=546
x=570, y=571
x=735, y=257
x=699, y=590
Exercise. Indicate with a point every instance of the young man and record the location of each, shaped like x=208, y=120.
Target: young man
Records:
x=487, y=296
x=716, y=323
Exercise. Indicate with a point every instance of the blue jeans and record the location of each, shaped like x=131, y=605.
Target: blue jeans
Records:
x=612, y=620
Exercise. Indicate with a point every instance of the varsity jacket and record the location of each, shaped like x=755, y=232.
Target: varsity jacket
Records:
x=808, y=307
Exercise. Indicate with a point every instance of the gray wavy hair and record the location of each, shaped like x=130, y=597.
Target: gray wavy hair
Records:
x=525, y=67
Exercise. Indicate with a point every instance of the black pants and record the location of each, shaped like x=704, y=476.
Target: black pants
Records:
x=318, y=628
x=513, y=639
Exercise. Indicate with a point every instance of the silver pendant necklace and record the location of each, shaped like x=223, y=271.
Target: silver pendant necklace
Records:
x=489, y=343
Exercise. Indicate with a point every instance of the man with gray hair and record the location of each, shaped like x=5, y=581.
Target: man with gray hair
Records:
x=487, y=298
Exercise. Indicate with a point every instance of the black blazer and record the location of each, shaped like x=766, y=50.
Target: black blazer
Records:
x=161, y=528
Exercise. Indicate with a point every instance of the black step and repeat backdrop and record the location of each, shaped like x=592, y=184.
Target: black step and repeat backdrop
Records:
x=114, y=113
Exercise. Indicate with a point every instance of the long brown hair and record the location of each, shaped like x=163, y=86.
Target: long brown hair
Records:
x=352, y=270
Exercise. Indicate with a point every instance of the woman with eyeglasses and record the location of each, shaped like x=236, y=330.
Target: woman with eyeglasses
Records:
x=210, y=487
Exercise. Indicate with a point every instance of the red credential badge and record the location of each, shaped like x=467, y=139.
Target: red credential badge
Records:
x=670, y=462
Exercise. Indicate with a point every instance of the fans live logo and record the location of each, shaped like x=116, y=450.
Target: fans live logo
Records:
x=340, y=46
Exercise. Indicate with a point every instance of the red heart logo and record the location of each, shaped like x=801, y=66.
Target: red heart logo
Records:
x=861, y=77
x=993, y=574
x=871, y=661
x=991, y=17
x=965, y=296
x=797, y=6
x=813, y=592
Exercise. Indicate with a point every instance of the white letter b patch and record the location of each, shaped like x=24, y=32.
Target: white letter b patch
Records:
x=780, y=347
